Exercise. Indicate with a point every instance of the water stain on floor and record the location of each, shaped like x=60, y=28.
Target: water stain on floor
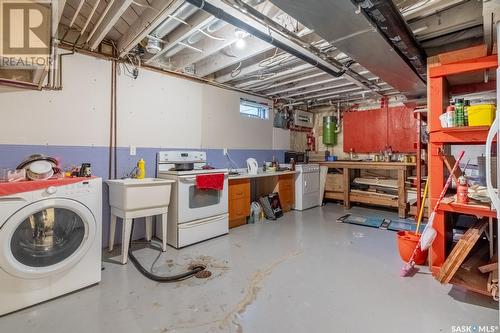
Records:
x=249, y=296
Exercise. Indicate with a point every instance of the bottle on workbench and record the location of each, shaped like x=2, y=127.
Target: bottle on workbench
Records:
x=292, y=164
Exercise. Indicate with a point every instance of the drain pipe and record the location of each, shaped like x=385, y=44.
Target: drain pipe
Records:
x=339, y=122
x=112, y=122
x=221, y=14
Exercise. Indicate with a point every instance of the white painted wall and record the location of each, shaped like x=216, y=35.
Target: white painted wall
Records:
x=281, y=139
x=78, y=115
x=155, y=110
x=224, y=127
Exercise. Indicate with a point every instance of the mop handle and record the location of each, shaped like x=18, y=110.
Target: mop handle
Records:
x=422, y=207
x=448, y=182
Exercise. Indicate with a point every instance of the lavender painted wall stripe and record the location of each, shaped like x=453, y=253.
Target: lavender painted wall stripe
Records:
x=12, y=155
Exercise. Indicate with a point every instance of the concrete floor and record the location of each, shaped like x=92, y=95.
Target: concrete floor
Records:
x=302, y=273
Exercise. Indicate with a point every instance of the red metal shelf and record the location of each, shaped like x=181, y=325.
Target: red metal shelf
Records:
x=465, y=66
x=476, y=210
x=467, y=134
x=453, y=73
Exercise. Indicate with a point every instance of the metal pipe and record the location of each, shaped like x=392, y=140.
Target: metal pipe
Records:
x=115, y=115
x=111, y=120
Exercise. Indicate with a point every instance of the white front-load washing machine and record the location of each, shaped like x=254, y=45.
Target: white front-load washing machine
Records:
x=50, y=242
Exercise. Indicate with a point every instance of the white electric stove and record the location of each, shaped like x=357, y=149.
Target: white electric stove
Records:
x=194, y=215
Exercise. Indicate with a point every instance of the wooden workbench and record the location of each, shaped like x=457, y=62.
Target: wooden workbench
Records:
x=347, y=196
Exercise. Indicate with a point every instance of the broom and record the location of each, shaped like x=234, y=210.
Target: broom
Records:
x=429, y=232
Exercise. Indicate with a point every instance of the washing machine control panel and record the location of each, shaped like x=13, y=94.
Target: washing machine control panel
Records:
x=71, y=189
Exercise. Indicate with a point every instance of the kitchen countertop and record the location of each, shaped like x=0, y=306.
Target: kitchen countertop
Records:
x=261, y=174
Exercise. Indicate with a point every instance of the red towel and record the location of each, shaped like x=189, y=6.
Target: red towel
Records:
x=213, y=181
x=33, y=185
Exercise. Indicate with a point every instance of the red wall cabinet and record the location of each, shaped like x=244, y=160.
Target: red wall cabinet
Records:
x=371, y=131
x=365, y=131
x=402, y=129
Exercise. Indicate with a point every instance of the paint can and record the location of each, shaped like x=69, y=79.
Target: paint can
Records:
x=462, y=191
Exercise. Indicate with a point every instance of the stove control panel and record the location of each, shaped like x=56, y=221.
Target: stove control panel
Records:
x=179, y=156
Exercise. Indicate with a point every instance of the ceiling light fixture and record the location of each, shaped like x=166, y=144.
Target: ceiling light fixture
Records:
x=240, y=43
x=240, y=38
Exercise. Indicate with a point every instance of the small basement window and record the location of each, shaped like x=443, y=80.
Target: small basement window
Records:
x=254, y=109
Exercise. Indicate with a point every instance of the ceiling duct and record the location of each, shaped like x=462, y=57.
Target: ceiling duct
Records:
x=392, y=25
x=345, y=25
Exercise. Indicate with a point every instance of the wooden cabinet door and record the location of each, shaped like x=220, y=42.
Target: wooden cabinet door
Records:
x=365, y=131
x=402, y=130
x=286, y=191
x=239, y=208
x=239, y=202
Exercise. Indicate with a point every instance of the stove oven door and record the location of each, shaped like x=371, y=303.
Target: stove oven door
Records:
x=195, y=204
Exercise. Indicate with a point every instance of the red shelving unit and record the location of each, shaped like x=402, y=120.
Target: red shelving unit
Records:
x=442, y=79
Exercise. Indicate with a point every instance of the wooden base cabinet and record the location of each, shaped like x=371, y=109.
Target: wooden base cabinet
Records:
x=239, y=202
x=286, y=191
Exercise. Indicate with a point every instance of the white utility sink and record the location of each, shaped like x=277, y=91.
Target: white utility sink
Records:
x=134, y=194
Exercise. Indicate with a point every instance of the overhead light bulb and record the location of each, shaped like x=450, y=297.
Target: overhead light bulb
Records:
x=240, y=43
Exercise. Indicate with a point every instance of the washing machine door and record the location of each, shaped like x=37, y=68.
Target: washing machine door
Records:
x=46, y=237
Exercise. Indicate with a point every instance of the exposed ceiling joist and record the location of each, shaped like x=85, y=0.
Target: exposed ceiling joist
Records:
x=195, y=22
x=77, y=12
x=348, y=95
x=322, y=88
x=420, y=9
x=332, y=92
x=265, y=31
x=254, y=65
x=465, y=15
x=273, y=78
x=232, y=56
x=150, y=18
x=116, y=9
x=299, y=82
x=225, y=37
x=272, y=62
x=316, y=86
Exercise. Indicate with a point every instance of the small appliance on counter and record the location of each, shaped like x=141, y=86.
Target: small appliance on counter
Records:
x=195, y=214
x=298, y=157
x=252, y=166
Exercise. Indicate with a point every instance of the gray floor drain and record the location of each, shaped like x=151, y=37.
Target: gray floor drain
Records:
x=203, y=274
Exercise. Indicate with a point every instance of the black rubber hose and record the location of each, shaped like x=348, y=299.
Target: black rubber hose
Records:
x=154, y=277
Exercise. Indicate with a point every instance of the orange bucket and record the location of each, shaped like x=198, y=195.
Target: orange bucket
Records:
x=407, y=241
